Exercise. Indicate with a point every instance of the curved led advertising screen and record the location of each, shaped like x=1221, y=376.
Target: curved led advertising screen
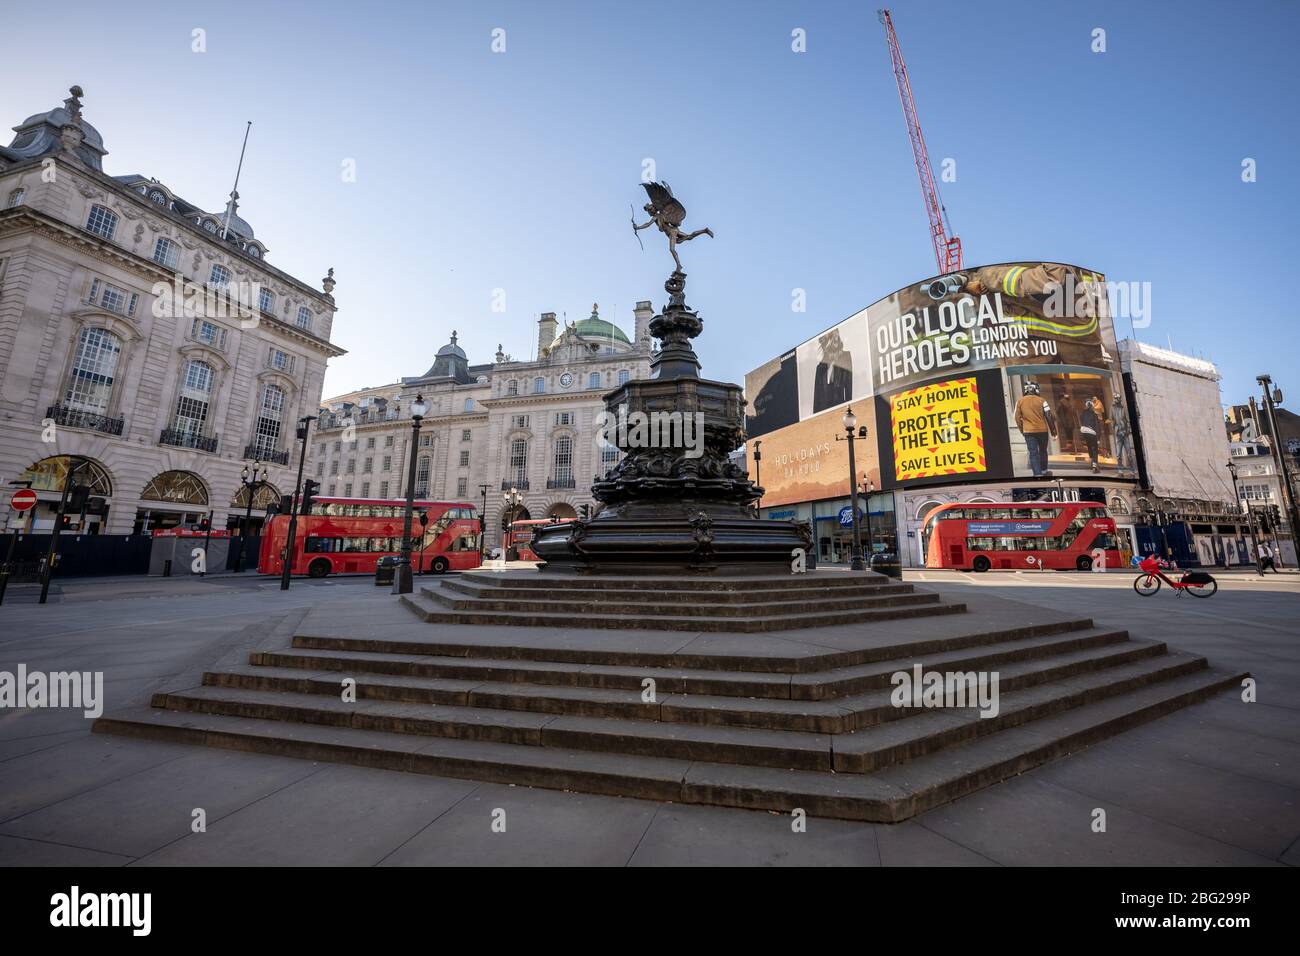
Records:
x=996, y=372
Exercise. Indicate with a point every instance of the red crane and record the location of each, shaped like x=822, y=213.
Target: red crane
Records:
x=947, y=247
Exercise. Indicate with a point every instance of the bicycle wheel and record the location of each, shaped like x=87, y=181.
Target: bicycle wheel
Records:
x=1146, y=584
x=1203, y=590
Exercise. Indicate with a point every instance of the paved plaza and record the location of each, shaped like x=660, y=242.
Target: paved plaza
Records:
x=1217, y=783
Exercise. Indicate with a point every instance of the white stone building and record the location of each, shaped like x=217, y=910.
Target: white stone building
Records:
x=528, y=425
x=144, y=335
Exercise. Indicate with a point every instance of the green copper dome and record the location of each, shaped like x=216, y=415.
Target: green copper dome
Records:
x=595, y=327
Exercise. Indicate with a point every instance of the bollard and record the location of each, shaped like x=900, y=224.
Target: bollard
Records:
x=167, y=568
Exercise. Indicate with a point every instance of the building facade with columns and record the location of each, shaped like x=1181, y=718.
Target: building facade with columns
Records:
x=143, y=338
x=491, y=427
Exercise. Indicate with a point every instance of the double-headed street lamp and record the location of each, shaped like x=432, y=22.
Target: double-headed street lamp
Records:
x=868, y=488
x=512, y=500
x=482, y=523
x=852, y=431
x=758, y=474
x=402, y=583
x=304, y=426
x=251, y=481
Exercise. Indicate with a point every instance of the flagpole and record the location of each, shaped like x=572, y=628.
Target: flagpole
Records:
x=226, y=228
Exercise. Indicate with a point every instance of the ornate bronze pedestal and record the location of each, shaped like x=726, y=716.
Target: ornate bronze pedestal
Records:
x=674, y=502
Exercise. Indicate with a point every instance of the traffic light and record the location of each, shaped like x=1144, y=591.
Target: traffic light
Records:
x=65, y=522
x=203, y=524
x=584, y=511
x=1265, y=523
x=310, y=489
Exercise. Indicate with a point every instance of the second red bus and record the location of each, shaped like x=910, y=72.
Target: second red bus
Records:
x=1069, y=535
x=350, y=535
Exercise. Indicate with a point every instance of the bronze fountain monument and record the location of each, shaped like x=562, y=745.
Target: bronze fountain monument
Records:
x=675, y=502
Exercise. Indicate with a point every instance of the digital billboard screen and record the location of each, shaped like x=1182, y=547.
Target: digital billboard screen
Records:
x=997, y=372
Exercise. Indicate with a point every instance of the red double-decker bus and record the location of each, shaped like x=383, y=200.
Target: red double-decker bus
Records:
x=350, y=535
x=1026, y=535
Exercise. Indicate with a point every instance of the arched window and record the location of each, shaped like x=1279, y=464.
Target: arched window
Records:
x=90, y=384
x=49, y=474
x=924, y=510
x=159, y=197
x=623, y=376
x=593, y=380
x=16, y=197
x=195, y=397
x=1118, y=505
x=512, y=387
x=266, y=300
x=518, y=461
x=101, y=222
x=220, y=275
x=266, y=494
x=422, y=478
x=539, y=384
x=304, y=318
x=469, y=404
x=609, y=455
x=210, y=225
x=180, y=487
x=166, y=252
x=563, y=460
x=266, y=437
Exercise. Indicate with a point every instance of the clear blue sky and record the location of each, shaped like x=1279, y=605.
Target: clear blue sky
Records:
x=478, y=171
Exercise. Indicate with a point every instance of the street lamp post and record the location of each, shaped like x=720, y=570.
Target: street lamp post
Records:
x=251, y=482
x=1250, y=519
x=482, y=524
x=868, y=487
x=758, y=473
x=304, y=426
x=402, y=583
x=852, y=431
x=74, y=464
x=511, y=498
x=1271, y=397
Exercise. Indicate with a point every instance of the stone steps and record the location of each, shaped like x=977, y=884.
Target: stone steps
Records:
x=843, y=599
x=316, y=701
x=886, y=646
x=432, y=612
x=830, y=716
x=820, y=685
x=889, y=794
x=461, y=585
x=802, y=717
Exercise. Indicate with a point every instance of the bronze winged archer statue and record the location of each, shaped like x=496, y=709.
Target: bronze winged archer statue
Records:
x=667, y=213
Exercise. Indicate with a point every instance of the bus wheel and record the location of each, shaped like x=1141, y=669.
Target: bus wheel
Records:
x=318, y=568
x=439, y=566
x=1084, y=563
x=980, y=564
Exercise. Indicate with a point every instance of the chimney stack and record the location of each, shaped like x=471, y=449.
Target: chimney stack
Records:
x=545, y=332
x=644, y=312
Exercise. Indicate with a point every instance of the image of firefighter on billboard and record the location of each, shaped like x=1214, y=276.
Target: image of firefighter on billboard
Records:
x=1067, y=421
x=988, y=317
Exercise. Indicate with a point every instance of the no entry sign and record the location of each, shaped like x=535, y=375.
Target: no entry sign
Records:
x=23, y=499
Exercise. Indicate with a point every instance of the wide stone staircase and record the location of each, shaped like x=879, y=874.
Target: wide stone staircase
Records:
x=666, y=689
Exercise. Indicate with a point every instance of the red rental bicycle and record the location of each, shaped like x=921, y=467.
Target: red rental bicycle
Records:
x=1197, y=583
